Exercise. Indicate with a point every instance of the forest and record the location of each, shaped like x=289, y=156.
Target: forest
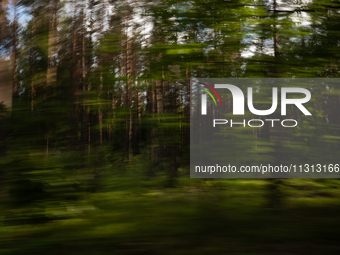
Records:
x=95, y=127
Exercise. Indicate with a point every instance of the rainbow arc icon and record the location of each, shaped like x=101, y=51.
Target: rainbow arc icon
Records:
x=213, y=90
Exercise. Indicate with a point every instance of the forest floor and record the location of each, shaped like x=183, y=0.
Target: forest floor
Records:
x=197, y=217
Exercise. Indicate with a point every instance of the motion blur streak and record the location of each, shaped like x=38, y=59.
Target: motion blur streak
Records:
x=94, y=128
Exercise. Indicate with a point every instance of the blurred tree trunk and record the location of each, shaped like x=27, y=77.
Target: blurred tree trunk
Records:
x=84, y=133
x=101, y=20
x=277, y=134
x=6, y=96
x=7, y=68
x=6, y=82
x=15, y=50
x=52, y=42
x=174, y=146
x=128, y=74
x=100, y=112
x=75, y=69
x=83, y=59
x=32, y=67
x=89, y=87
x=6, y=92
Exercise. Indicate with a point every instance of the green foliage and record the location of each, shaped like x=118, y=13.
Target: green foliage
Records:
x=94, y=160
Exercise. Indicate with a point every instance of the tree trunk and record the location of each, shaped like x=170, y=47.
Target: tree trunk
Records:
x=52, y=42
x=15, y=51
